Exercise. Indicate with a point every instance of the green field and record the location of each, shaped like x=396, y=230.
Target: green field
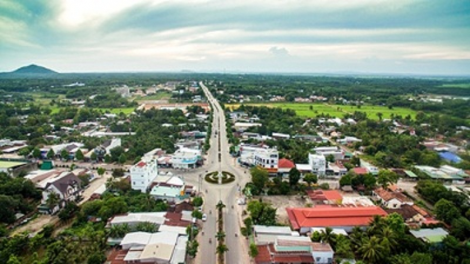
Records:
x=158, y=96
x=456, y=85
x=303, y=109
x=126, y=111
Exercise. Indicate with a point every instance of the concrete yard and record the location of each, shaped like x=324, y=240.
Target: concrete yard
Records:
x=281, y=202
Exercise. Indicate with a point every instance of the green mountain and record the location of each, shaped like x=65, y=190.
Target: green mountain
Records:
x=34, y=69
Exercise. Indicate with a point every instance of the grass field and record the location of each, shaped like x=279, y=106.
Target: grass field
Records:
x=303, y=109
x=456, y=85
x=157, y=96
x=126, y=111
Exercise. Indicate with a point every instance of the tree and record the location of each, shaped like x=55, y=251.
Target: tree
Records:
x=345, y=180
x=107, y=158
x=36, y=153
x=52, y=201
x=8, y=208
x=79, y=155
x=262, y=213
x=328, y=236
x=253, y=248
x=196, y=214
x=13, y=260
x=371, y=250
x=122, y=158
x=379, y=115
x=310, y=178
x=191, y=248
x=93, y=156
x=96, y=258
x=50, y=154
x=197, y=201
x=294, y=177
x=220, y=236
x=64, y=154
x=446, y=211
x=100, y=171
x=221, y=249
x=330, y=158
x=386, y=177
x=259, y=177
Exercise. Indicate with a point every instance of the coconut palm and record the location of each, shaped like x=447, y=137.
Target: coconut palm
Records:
x=52, y=201
x=376, y=224
x=388, y=238
x=220, y=205
x=220, y=236
x=328, y=236
x=371, y=250
x=221, y=249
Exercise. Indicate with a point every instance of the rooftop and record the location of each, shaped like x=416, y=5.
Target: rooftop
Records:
x=387, y=195
x=432, y=235
x=331, y=216
x=285, y=163
x=322, y=195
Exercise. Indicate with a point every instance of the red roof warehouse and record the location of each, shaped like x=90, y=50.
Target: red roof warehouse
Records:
x=303, y=219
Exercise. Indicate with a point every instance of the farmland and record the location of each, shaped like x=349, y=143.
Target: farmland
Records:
x=303, y=109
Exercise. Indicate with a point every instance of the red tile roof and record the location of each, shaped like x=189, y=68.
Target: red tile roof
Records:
x=387, y=196
x=360, y=170
x=330, y=216
x=322, y=195
x=268, y=254
x=285, y=163
x=141, y=164
x=174, y=219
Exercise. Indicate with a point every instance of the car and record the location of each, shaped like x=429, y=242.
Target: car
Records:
x=204, y=217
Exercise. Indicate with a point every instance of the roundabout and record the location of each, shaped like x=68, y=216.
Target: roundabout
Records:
x=217, y=177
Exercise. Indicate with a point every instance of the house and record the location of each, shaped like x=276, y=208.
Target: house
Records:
x=133, y=219
x=289, y=249
x=390, y=199
x=239, y=126
x=336, y=152
x=360, y=171
x=284, y=166
x=450, y=157
x=348, y=140
x=66, y=186
x=186, y=158
x=325, y=197
x=169, y=188
x=259, y=155
x=430, y=235
x=280, y=136
x=317, y=164
x=237, y=115
x=268, y=234
x=303, y=219
x=141, y=247
x=410, y=213
x=336, y=169
x=142, y=174
x=106, y=147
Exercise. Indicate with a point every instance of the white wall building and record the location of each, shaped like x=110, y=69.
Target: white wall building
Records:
x=142, y=174
x=336, y=152
x=185, y=158
x=317, y=163
x=266, y=158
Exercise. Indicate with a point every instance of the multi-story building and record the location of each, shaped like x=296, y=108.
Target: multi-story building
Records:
x=336, y=152
x=266, y=158
x=317, y=163
x=142, y=174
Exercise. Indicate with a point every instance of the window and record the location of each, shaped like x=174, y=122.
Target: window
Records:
x=133, y=183
x=317, y=259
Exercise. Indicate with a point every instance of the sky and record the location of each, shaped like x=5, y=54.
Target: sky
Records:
x=291, y=36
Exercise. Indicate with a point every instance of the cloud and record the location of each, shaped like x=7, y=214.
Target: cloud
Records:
x=278, y=51
x=109, y=35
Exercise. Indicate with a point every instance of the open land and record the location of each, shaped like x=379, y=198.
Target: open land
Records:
x=303, y=109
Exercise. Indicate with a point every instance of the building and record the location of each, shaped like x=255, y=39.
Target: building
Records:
x=430, y=235
x=303, y=219
x=66, y=186
x=450, y=157
x=336, y=169
x=348, y=140
x=391, y=200
x=169, y=188
x=268, y=234
x=284, y=167
x=280, y=136
x=317, y=164
x=444, y=173
x=241, y=127
x=336, y=152
x=106, y=147
x=267, y=158
x=133, y=219
x=289, y=249
x=325, y=197
x=185, y=158
x=142, y=174
x=141, y=247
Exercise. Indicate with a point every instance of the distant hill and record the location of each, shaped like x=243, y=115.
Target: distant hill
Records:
x=33, y=69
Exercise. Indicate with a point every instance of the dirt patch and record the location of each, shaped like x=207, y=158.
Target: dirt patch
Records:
x=36, y=225
x=281, y=202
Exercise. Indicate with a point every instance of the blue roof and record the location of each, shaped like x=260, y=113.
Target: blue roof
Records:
x=449, y=156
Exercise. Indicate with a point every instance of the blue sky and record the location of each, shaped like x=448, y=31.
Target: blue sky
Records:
x=308, y=36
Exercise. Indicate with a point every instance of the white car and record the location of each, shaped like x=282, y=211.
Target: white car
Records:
x=204, y=217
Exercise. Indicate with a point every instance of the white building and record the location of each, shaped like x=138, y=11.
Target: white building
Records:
x=336, y=152
x=348, y=140
x=267, y=158
x=317, y=164
x=185, y=158
x=142, y=174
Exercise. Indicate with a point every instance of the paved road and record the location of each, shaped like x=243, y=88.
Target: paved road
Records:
x=228, y=194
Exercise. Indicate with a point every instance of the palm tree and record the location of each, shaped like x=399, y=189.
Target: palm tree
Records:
x=376, y=224
x=220, y=236
x=117, y=231
x=147, y=227
x=388, y=238
x=328, y=236
x=371, y=250
x=356, y=237
x=220, y=205
x=52, y=201
x=221, y=249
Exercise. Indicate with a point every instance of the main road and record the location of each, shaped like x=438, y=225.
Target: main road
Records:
x=219, y=159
